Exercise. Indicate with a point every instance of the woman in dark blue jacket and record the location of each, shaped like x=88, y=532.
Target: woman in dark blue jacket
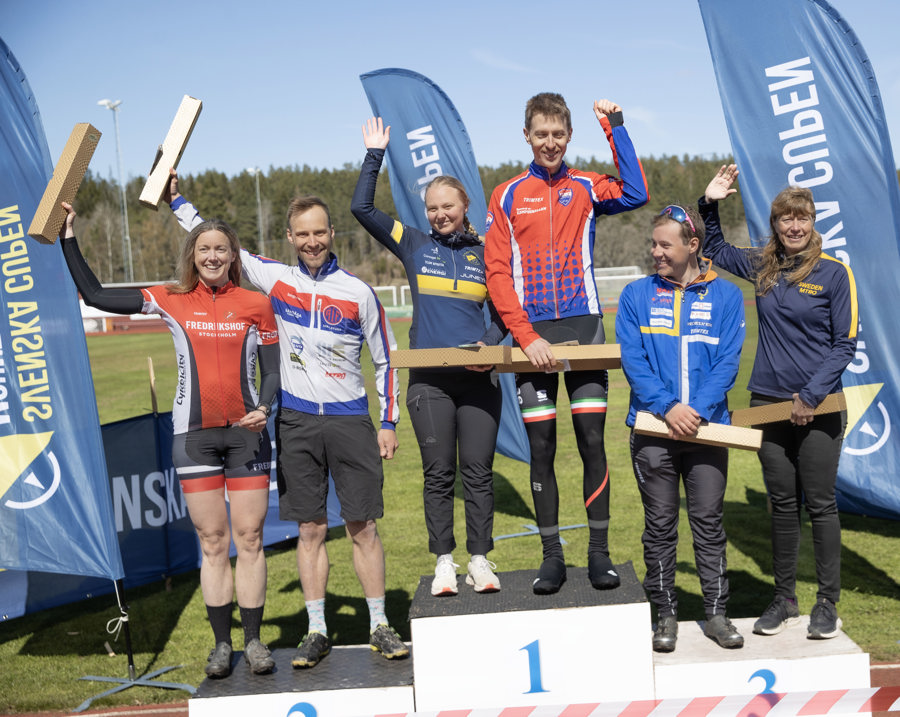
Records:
x=447, y=407
x=806, y=302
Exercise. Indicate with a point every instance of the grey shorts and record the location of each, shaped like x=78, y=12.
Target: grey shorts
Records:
x=311, y=446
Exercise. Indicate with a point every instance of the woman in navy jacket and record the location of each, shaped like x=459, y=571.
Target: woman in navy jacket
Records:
x=447, y=407
x=806, y=302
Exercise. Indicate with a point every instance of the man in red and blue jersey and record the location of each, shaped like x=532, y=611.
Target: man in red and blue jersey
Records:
x=539, y=251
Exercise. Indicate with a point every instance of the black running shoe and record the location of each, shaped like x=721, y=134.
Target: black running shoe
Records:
x=824, y=622
x=780, y=614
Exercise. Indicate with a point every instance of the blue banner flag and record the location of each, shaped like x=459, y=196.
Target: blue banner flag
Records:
x=55, y=508
x=803, y=108
x=428, y=139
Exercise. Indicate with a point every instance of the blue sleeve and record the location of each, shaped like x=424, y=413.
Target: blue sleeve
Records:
x=844, y=320
x=639, y=370
x=730, y=258
x=630, y=190
x=386, y=231
x=720, y=376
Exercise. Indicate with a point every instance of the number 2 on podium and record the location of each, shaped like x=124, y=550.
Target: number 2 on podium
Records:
x=534, y=667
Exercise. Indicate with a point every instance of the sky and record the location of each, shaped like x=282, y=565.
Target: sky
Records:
x=279, y=79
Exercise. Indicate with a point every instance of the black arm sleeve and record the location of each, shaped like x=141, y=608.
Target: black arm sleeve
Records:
x=270, y=375
x=497, y=330
x=118, y=301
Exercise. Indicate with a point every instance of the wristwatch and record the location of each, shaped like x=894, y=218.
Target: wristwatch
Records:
x=264, y=408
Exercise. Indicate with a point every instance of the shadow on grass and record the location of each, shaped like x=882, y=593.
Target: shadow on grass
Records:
x=153, y=613
x=748, y=529
x=508, y=500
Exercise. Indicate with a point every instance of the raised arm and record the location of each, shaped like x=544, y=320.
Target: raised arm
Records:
x=117, y=301
x=715, y=248
x=384, y=228
x=630, y=190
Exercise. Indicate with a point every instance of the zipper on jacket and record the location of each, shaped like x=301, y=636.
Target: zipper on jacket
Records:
x=552, y=246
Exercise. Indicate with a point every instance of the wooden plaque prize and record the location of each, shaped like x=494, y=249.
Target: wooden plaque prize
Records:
x=711, y=434
x=569, y=357
x=63, y=186
x=446, y=357
x=171, y=150
x=781, y=411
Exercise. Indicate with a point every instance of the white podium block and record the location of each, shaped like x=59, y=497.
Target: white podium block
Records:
x=515, y=648
x=349, y=681
x=787, y=662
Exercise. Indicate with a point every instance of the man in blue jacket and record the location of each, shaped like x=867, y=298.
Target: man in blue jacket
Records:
x=681, y=332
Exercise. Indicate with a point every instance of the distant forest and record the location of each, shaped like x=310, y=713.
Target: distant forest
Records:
x=156, y=238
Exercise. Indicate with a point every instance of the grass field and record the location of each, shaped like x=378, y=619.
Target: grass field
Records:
x=43, y=655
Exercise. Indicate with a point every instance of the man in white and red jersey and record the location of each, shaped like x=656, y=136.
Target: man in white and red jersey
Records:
x=539, y=251
x=324, y=314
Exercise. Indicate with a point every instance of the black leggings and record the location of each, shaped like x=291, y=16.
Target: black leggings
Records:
x=587, y=395
x=449, y=410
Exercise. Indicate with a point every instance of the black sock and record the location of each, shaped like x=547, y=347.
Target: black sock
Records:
x=598, y=541
x=251, y=619
x=551, y=546
x=220, y=621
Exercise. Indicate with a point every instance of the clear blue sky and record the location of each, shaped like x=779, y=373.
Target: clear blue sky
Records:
x=279, y=78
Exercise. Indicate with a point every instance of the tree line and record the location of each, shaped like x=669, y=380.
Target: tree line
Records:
x=156, y=238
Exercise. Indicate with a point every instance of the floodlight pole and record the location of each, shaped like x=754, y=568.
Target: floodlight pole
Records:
x=126, y=238
x=255, y=171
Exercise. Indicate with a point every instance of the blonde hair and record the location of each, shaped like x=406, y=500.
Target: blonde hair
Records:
x=188, y=276
x=772, y=261
x=445, y=180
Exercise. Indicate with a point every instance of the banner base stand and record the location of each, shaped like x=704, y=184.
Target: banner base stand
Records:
x=124, y=684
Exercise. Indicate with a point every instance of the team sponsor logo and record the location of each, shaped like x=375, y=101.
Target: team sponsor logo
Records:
x=297, y=343
x=332, y=315
x=565, y=196
x=700, y=316
x=472, y=258
x=339, y=375
x=660, y=311
x=488, y=221
x=663, y=292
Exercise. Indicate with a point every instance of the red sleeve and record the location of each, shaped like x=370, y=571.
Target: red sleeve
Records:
x=498, y=259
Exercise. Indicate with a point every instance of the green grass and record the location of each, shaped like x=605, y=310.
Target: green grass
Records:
x=43, y=655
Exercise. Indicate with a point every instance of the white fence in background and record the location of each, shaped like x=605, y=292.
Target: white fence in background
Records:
x=610, y=282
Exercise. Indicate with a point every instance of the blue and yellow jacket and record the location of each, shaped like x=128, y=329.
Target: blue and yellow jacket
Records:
x=807, y=331
x=446, y=273
x=680, y=344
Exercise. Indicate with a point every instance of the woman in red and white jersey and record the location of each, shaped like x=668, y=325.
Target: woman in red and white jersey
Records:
x=219, y=419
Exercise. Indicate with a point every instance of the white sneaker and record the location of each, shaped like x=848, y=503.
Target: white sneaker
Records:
x=444, y=582
x=481, y=575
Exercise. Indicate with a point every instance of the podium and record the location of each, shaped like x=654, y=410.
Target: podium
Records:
x=349, y=681
x=515, y=648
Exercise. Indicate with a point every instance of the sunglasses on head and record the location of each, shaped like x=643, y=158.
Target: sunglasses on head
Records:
x=673, y=211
